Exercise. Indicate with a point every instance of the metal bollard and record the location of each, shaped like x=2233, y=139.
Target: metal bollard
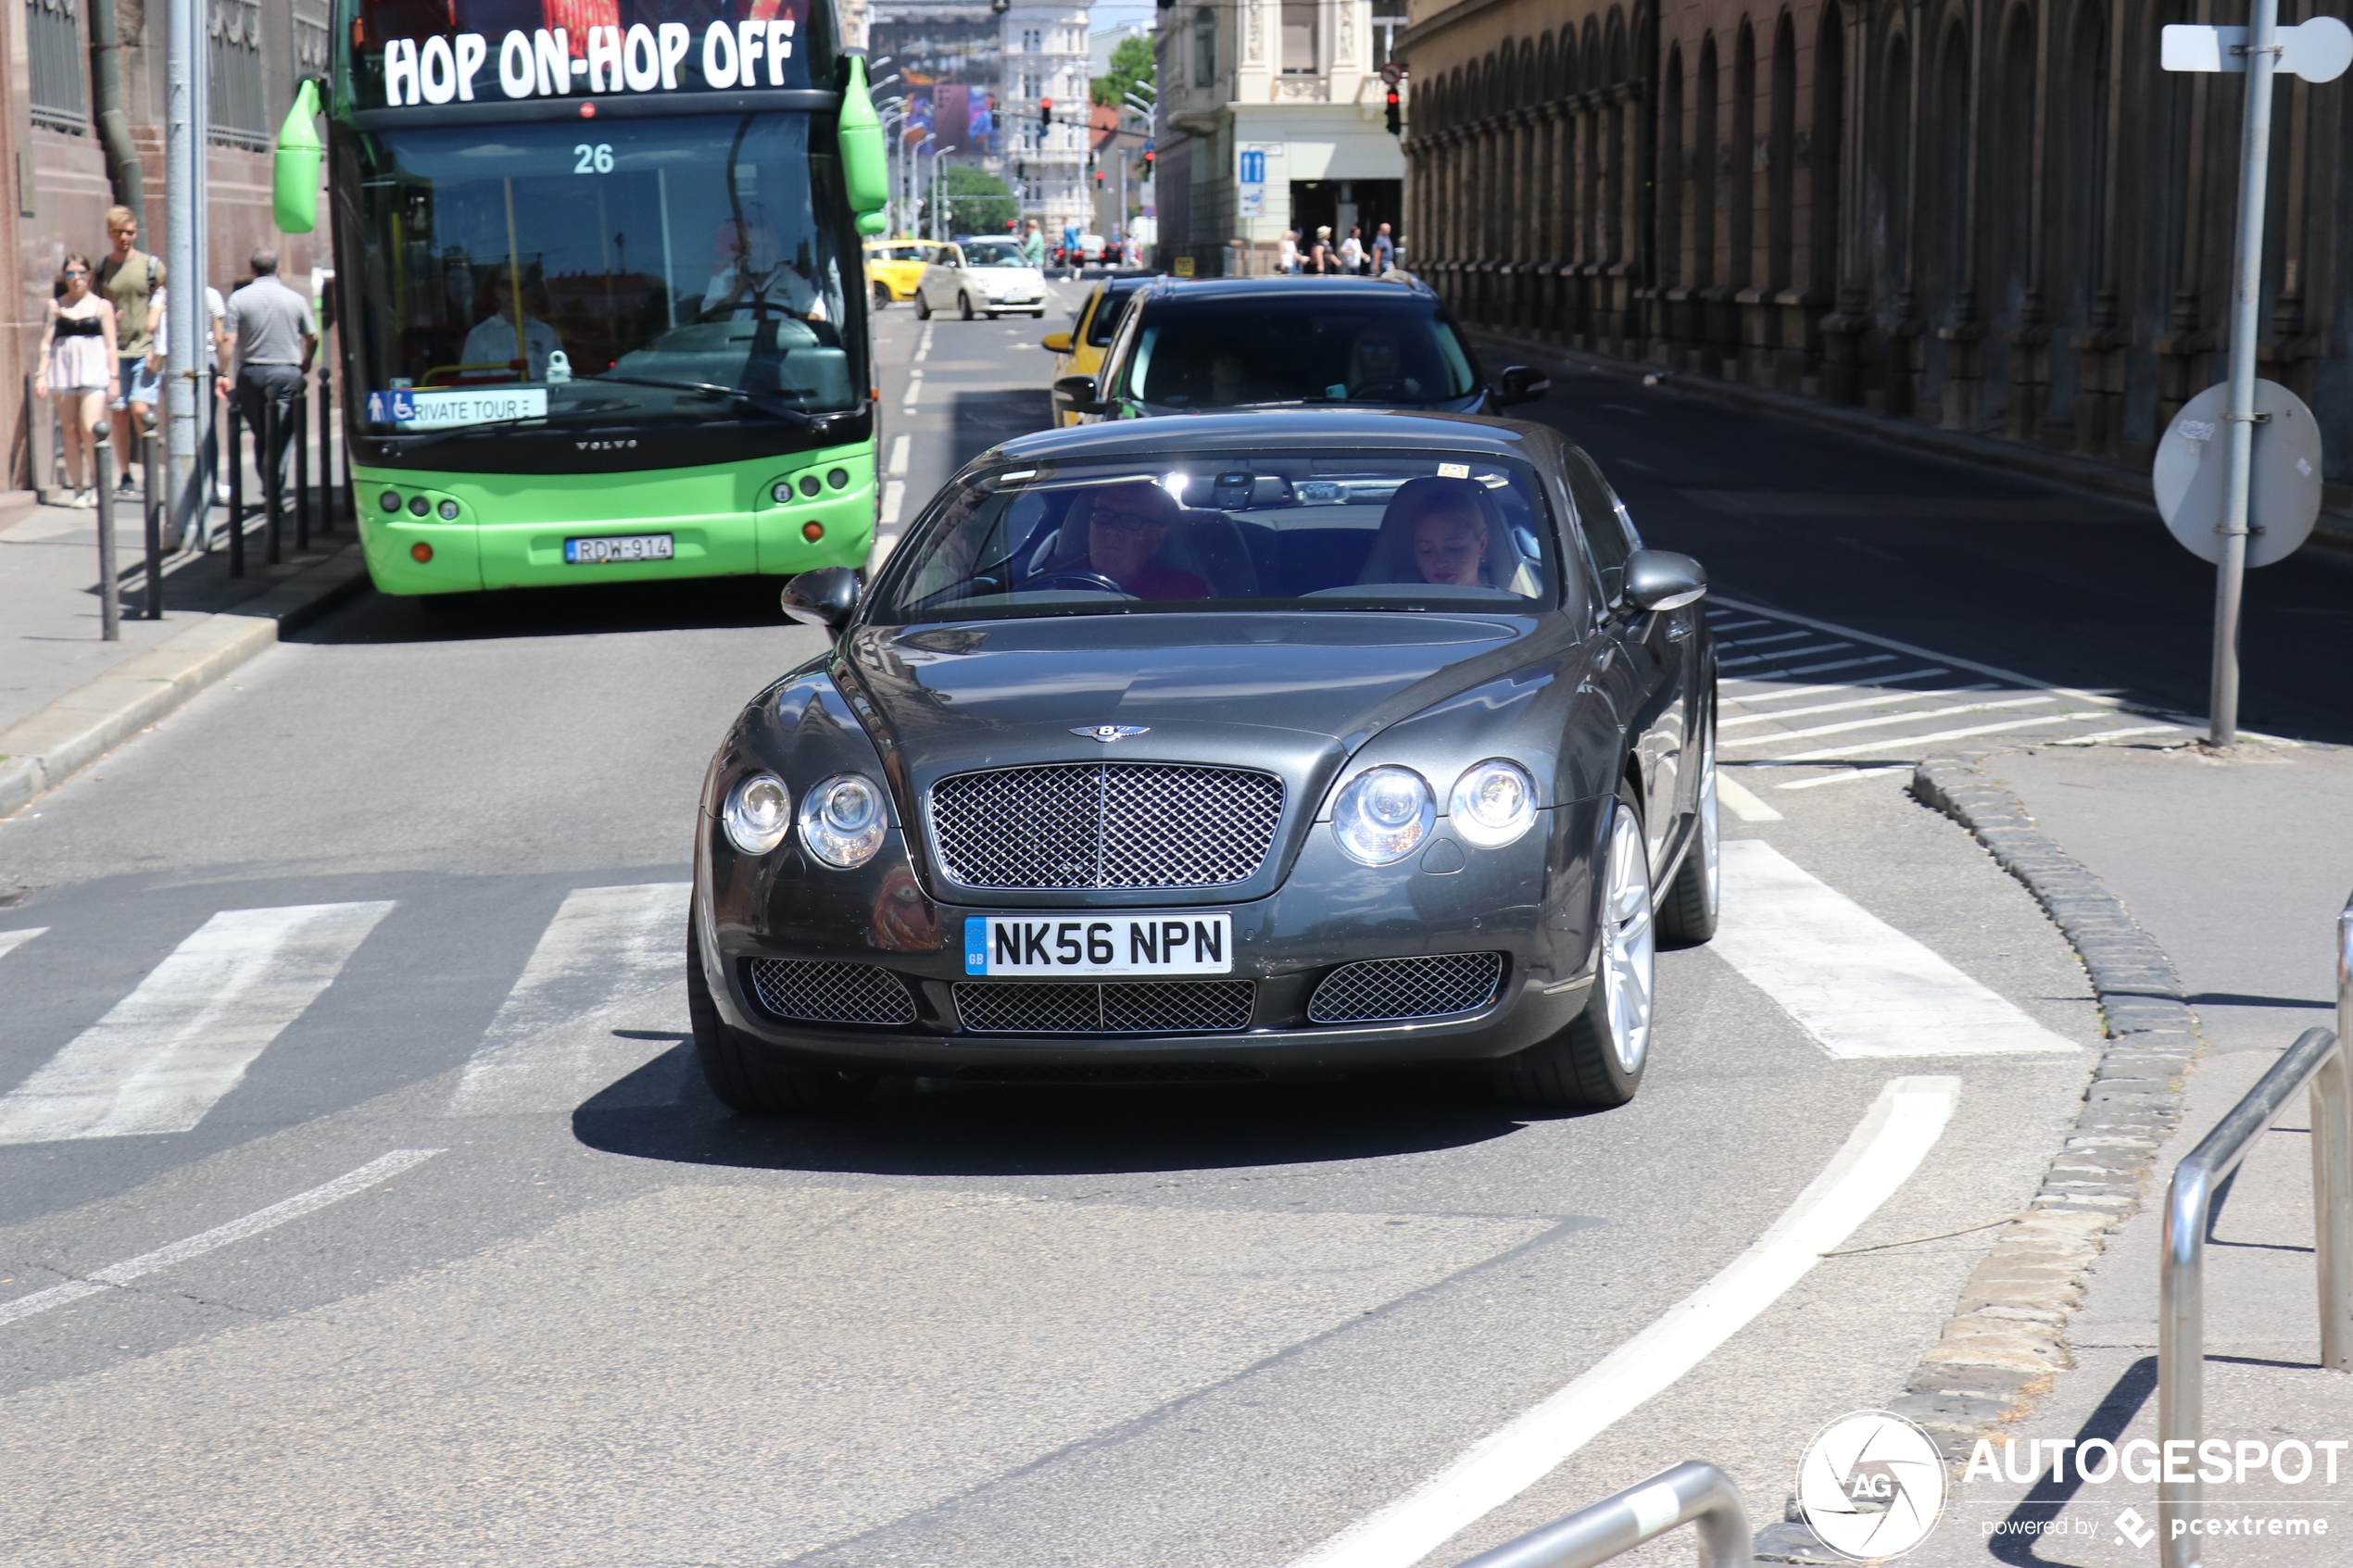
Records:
x=326, y=453
x=154, y=526
x=110, y=592
x=236, y=491
x=299, y=411
x=272, y=547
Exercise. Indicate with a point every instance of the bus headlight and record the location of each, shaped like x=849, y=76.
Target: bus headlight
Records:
x=842, y=820
x=1383, y=815
x=759, y=809
x=1493, y=803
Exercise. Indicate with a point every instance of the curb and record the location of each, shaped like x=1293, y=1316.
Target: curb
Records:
x=44, y=749
x=2109, y=481
x=2007, y=1335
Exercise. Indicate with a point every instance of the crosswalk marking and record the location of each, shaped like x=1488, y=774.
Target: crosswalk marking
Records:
x=1859, y=986
x=1844, y=726
x=11, y=940
x=1916, y=741
x=167, y=1053
x=601, y=965
x=1819, y=668
x=1780, y=653
x=1874, y=701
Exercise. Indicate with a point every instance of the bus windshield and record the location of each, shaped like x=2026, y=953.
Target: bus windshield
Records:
x=665, y=269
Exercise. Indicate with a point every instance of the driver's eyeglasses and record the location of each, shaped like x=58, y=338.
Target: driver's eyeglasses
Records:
x=1122, y=522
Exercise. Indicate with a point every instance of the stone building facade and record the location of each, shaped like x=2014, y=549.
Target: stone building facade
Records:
x=65, y=174
x=1995, y=215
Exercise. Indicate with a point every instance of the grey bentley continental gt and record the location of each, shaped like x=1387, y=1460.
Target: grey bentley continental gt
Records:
x=1213, y=749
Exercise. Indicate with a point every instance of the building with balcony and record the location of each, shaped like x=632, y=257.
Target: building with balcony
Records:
x=1273, y=117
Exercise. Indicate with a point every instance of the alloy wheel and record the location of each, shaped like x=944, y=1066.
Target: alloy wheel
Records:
x=1629, y=943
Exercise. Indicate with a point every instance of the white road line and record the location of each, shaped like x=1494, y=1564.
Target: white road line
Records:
x=551, y=1045
x=11, y=940
x=1904, y=718
x=2012, y=676
x=1845, y=775
x=893, y=500
x=1783, y=653
x=1719, y=627
x=166, y=1054
x=1875, y=698
x=2106, y=735
x=1878, y=1157
x=1746, y=807
x=900, y=447
x=1944, y=734
x=1817, y=668
x=1878, y=683
x=301, y=1203
x=1760, y=641
x=1858, y=985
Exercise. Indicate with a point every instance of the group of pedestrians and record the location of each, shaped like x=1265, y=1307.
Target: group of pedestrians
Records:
x=1351, y=258
x=108, y=338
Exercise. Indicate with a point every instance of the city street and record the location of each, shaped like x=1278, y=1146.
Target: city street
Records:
x=429, y=1242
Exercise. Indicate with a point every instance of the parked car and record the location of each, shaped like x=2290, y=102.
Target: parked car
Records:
x=1185, y=348
x=895, y=267
x=981, y=277
x=1214, y=751
x=1080, y=350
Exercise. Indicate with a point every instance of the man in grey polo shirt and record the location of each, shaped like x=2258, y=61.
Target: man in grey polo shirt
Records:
x=272, y=331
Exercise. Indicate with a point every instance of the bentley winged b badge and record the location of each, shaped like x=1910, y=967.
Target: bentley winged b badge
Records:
x=1109, y=733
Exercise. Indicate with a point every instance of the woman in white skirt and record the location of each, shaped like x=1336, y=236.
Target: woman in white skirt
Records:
x=80, y=368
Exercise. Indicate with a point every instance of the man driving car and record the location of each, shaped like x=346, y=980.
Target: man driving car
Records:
x=1126, y=526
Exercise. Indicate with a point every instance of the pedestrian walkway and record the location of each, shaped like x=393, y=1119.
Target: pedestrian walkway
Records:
x=50, y=609
x=2237, y=867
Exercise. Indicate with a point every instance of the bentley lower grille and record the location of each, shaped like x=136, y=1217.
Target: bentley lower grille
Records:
x=1111, y=1072
x=1399, y=988
x=830, y=992
x=1152, y=1007
x=1106, y=824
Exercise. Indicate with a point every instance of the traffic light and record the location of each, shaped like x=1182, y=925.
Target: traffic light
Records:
x=1045, y=111
x=1396, y=123
x=1148, y=163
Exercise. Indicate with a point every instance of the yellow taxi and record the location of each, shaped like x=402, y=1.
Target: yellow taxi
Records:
x=895, y=267
x=1079, y=352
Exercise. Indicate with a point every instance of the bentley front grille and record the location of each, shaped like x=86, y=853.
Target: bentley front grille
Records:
x=1106, y=824
x=1383, y=989
x=1149, y=1007
x=830, y=992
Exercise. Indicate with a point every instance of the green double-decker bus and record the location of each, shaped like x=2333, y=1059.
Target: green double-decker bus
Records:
x=602, y=310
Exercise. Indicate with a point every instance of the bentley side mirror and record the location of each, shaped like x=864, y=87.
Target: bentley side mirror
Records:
x=1664, y=580
x=1055, y=342
x=823, y=597
x=1075, y=395
x=1519, y=383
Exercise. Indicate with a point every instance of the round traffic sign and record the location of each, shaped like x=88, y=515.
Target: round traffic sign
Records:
x=1391, y=73
x=2283, y=490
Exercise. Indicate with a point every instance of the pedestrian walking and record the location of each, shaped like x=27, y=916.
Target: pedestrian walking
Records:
x=1286, y=252
x=1351, y=252
x=1033, y=245
x=128, y=277
x=271, y=329
x=1320, y=257
x=1384, y=251
x=80, y=369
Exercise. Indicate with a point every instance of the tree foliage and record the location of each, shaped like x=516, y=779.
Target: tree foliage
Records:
x=978, y=202
x=1131, y=62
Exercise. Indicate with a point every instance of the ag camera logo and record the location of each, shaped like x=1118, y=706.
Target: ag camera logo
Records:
x=1871, y=1486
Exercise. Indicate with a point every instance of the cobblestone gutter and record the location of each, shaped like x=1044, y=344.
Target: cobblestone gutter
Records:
x=2007, y=1335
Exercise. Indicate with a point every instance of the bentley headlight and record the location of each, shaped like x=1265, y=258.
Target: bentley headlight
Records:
x=759, y=811
x=842, y=819
x=1493, y=803
x=1383, y=815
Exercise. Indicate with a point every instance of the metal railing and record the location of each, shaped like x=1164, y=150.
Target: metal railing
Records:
x=2316, y=1059
x=1690, y=1493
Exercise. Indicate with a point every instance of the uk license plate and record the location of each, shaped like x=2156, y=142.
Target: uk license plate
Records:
x=617, y=548
x=1079, y=945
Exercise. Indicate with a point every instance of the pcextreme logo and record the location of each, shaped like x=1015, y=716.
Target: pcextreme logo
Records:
x=1871, y=1486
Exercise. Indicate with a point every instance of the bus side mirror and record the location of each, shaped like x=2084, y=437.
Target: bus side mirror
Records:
x=823, y=597
x=295, y=166
x=865, y=169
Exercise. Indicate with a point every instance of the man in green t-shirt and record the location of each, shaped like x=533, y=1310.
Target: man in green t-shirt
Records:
x=128, y=277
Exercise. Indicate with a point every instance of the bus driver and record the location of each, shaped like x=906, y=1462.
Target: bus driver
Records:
x=492, y=340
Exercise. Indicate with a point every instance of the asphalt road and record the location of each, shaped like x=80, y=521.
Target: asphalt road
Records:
x=604, y=1322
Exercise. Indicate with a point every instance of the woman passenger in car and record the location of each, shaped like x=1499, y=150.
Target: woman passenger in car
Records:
x=1436, y=531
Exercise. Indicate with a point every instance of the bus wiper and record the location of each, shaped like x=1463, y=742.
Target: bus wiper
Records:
x=712, y=389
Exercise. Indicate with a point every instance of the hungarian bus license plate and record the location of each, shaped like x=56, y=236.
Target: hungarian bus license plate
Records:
x=618, y=547
x=1167, y=943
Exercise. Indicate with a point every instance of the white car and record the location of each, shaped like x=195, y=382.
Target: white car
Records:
x=981, y=278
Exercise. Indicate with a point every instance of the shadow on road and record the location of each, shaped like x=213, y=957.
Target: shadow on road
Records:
x=695, y=605
x=934, y=1129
